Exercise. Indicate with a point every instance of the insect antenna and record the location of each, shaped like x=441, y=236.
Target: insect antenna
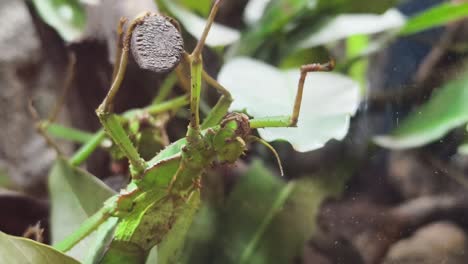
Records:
x=118, y=51
x=270, y=147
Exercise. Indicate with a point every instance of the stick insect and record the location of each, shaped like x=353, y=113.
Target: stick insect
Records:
x=163, y=187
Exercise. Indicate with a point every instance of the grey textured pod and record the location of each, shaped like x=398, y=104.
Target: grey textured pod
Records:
x=157, y=45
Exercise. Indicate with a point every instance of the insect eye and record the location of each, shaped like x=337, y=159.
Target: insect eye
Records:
x=157, y=45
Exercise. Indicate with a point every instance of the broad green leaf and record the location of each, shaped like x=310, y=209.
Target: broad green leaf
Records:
x=355, y=45
x=21, y=250
x=75, y=195
x=345, y=25
x=280, y=12
x=352, y=6
x=280, y=16
x=171, y=249
x=446, y=110
x=329, y=100
x=266, y=220
x=436, y=16
x=219, y=35
x=66, y=16
x=276, y=15
x=202, y=7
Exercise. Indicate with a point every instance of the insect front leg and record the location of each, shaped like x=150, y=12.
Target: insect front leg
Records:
x=291, y=121
x=110, y=121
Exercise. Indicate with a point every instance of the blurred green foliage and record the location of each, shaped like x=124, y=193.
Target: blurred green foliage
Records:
x=75, y=195
x=444, y=111
x=263, y=220
x=22, y=250
x=66, y=16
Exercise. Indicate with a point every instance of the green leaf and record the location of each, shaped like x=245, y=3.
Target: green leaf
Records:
x=266, y=220
x=280, y=12
x=275, y=16
x=66, y=16
x=436, y=16
x=75, y=195
x=346, y=25
x=280, y=16
x=171, y=249
x=22, y=250
x=202, y=7
x=446, y=110
x=355, y=45
x=329, y=100
x=352, y=6
x=219, y=35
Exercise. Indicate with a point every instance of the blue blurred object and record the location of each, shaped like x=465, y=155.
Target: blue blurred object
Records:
x=406, y=54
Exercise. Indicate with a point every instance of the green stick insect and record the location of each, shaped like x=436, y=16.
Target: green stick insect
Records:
x=164, y=187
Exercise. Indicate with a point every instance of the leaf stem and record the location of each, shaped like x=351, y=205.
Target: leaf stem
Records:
x=276, y=207
x=85, y=151
x=85, y=229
